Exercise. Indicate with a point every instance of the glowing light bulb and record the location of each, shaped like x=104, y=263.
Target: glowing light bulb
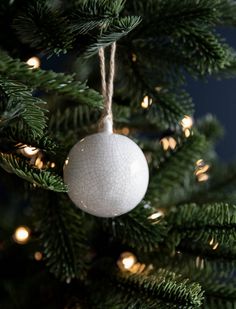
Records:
x=202, y=177
x=53, y=165
x=125, y=131
x=39, y=163
x=126, y=261
x=158, y=88
x=200, y=162
x=38, y=256
x=134, y=57
x=215, y=246
x=211, y=242
x=29, y=151
x=146, y=102
x=187, y=133
x=199, y=262
x=21, y=235
x=168, y=142
x=33, y=62
x=202, y=170
x=165, y=143
x=156, y=215
x=187, y=122
x=172, y=143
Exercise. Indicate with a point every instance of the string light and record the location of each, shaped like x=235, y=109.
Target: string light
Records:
x=156, y=215
x=200, y=162
x=158, y=88
x=187, y=133
x=134, y=57
x=146, y=102
x=39, y=163
x=202, y=177
x=38, y=256
x=53, y=164
x=215, y=246
x=28, y=151
x=126, y=261
x=33, y=62
x=200, y=262
x=168, y=142
x=187, y=122
x=200, y=171
x=165, y=143
x=125, y=131
x=211, y=242
x=21, y=235
x=172, y=143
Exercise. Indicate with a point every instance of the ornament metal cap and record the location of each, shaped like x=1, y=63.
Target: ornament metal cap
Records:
x=106, y=125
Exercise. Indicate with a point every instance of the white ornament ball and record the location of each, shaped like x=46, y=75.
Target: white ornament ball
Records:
x=107, y=174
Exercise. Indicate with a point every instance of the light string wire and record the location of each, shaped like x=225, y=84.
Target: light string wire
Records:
x=107, y=86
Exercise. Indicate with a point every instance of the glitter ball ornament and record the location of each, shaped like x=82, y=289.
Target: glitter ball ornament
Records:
x=107, y=174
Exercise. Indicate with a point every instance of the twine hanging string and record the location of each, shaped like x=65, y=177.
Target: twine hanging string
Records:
x=106, y=122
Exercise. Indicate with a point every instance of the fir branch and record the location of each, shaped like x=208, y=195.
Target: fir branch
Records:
x=119, y=28
x=216, y=303
x=175, y=167
x=63, y=237
x=49, y=81
x=18, y=105
x=183, y=37
x=93, y=8
x=170, y=14
x=41, y=178
x=11, y=138
x=210, y=127
x=144, y=77
x=44, y=28
x=146, y=290
x=215, y=276
x=228, y=12
x=98, y=15
x=169, y=108
x=77, y=118
x=137, y=229
x=163, y=285
x=222, y=183
x=210, y=224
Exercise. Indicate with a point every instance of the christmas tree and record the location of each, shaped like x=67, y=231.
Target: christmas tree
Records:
x=177, y=248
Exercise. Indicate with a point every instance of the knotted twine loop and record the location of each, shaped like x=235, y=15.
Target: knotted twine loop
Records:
x=106, y=122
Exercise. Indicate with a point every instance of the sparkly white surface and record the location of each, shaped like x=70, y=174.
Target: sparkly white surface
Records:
x=107, y=174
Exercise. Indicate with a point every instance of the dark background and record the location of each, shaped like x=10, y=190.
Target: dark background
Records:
x=218, y=97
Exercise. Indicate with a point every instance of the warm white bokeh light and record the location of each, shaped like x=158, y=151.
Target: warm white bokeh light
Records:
x=187, y=122
x=202, y=177
x=39, y=163
x=21, y=235
x=29, y=151
x=126, y=261
x=168, y=142
x=146, y=102
x=33, y=62
x=38, y=256
x=156, y=215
